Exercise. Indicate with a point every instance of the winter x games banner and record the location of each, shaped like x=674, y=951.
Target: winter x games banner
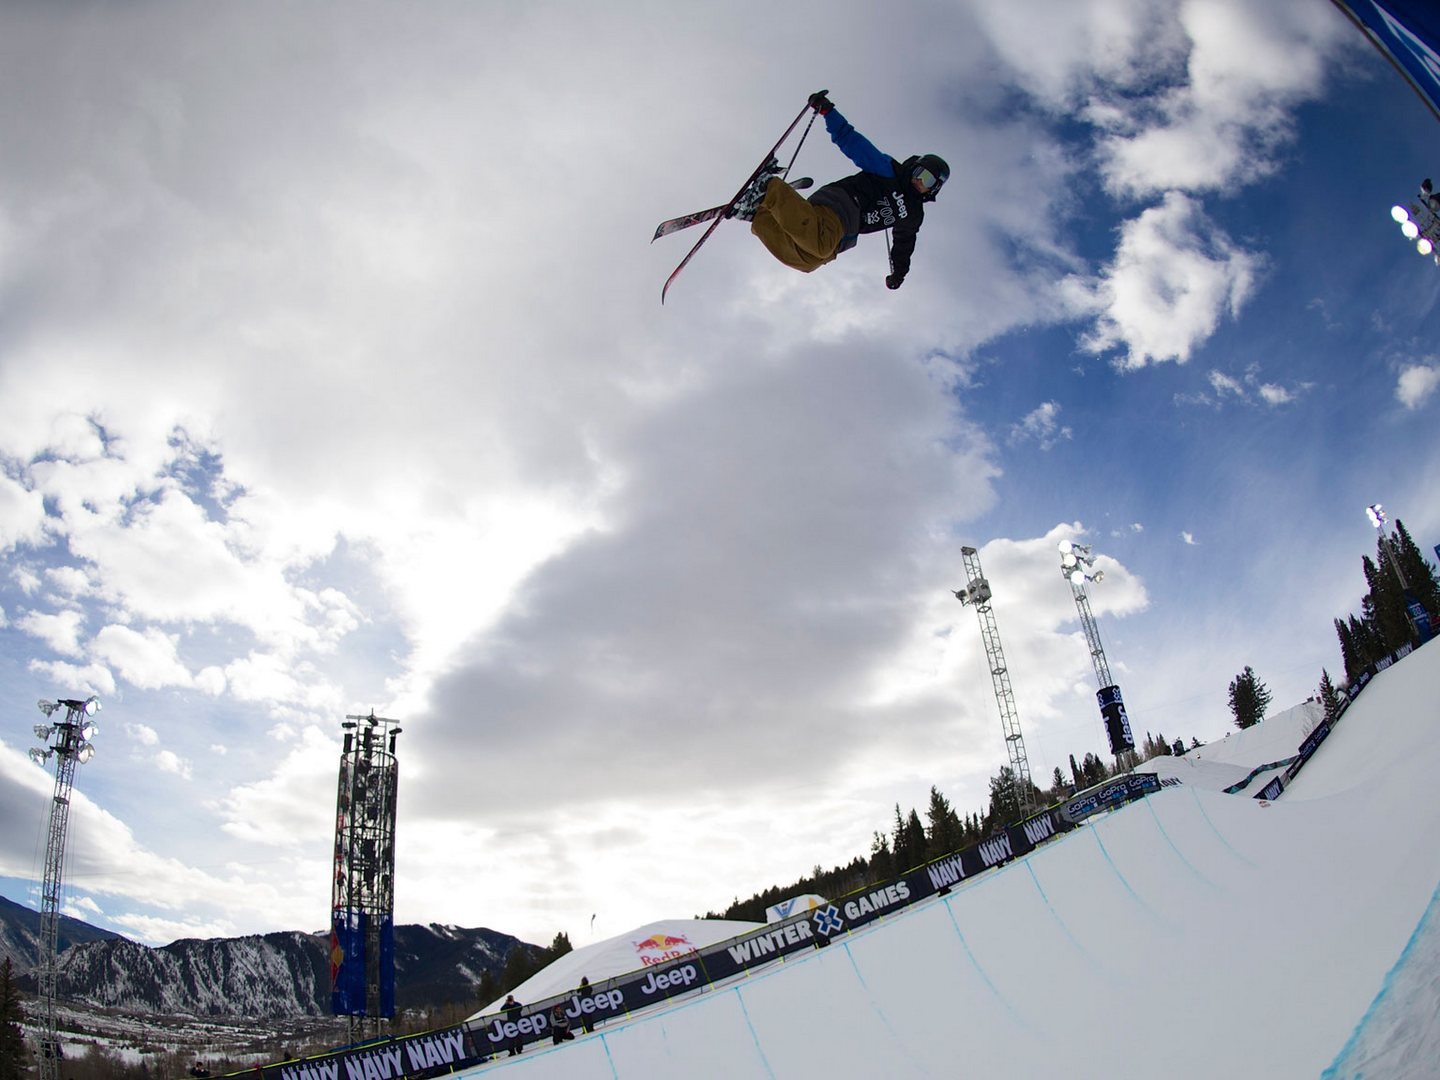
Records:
x=1407, y=32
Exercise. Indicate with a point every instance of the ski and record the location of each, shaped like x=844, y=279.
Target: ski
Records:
x=721, y=217
x=684, y=221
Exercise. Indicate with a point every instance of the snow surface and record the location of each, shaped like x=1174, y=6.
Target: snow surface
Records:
x=1190, y=934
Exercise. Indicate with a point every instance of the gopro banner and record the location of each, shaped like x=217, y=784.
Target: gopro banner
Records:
x=1407, y=33
x=1112, y=793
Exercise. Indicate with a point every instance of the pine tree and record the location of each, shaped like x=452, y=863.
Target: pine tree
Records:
x=1329, y=696
x=1389, y=616
x=899, y=844
x=1419, y=574
x=1076, y=773
x=1249, y=698
x=1004, y=799
x=1368, y=647
x=1094, y=771
x=914, y=842
x=14, y=1056
x=1349, y=651
x=882, y=862
x=945, y=830
x=1059, y=789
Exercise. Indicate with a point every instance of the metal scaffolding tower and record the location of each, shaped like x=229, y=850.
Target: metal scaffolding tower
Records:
x=362, y=907
x=1092, y=636
x=1077, y=566
x=977, y=594
x=70, y=746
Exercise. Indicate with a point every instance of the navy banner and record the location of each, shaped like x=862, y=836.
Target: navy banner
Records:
x=1407, y=33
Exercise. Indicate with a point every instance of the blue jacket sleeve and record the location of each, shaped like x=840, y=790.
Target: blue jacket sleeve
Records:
x=856, y=147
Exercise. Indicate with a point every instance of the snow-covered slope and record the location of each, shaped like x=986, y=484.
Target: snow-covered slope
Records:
x=1190, y=934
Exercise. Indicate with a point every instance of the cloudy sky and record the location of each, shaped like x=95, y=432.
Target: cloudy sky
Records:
x=335, y=378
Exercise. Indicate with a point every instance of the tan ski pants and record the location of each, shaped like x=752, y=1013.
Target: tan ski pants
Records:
x=798, y=233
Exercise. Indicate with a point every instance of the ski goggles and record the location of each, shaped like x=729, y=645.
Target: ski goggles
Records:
x=927, y=180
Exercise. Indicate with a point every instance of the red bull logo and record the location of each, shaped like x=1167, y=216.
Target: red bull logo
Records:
x=659, y=948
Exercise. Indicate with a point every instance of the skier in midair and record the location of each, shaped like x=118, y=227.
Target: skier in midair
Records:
x=885, y=194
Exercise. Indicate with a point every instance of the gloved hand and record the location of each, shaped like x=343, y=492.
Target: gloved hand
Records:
x=894, y=281
x=820, y=103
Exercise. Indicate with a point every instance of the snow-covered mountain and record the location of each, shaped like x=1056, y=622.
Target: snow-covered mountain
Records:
x=20, y=934
x=283, y=974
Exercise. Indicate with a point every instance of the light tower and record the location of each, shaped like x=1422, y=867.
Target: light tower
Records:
x=1421, y=224
x=977, y=594
x=68, y=741
x=1077, y=562
x=1414, y=609
x=362, y=905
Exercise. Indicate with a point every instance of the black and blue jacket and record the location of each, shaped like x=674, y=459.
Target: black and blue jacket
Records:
x=881, y=194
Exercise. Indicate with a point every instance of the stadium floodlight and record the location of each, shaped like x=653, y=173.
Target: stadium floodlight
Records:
x=1077, y=563
x=47, y=707
x=1410, y=229
x=1376, y=513
x=39, y=756
x=1399, y=213
x=1424, y=246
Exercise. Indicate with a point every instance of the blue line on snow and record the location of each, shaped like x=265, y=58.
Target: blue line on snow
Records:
x=1178, y=854
x=981, y=971
x=1055, y=914
x=1201, y=807
x=758, y=1048
x=1386, y=985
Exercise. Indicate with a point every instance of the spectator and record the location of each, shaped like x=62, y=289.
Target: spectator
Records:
x=584, y=991
x=511, y=1009
x=559, y=1024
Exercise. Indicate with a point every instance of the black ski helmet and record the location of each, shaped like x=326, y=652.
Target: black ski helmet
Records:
x=937, y=168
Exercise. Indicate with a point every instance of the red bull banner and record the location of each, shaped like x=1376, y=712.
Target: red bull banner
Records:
x=658, y=948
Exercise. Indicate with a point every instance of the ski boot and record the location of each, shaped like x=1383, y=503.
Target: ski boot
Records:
x=749, y=201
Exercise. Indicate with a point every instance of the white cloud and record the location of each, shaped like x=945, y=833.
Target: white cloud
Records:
x=1189, y=538
x=280, y=811
x=1248, y=389
x=83, y=907
x=1272, y=394
x=144, y=734
x=211, y=680
x=147, y=660
x=61, y=630
x=74, y=679
x=22, y=514
x=1416, y=384
x=70, y=581
x=1173, y=276
x=1223, y=124
x=1225, y=384
x=171, y=762
x=1042, y=426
